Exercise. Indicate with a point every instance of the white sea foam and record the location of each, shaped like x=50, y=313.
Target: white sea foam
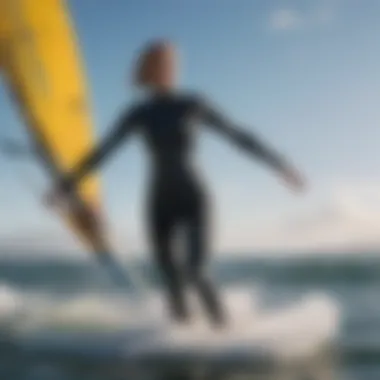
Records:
x=297, y=329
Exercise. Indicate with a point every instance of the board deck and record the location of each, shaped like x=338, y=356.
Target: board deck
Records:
x=41, y=64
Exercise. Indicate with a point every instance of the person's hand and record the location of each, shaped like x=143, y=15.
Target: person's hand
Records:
x=60, y=199
x=293, y=179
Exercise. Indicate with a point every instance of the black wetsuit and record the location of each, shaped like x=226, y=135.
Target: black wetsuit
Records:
x=177, y=197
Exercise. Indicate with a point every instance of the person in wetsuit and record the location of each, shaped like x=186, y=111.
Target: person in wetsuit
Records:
x=166, y=121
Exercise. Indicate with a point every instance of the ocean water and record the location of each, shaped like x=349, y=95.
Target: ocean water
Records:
x=72, y=298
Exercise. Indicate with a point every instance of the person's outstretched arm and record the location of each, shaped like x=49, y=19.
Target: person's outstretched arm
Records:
x=122, y=129
x=248, y=142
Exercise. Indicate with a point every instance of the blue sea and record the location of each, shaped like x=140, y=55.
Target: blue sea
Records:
x=38, y=294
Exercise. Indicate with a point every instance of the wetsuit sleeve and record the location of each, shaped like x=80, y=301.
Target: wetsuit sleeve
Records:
x=123, y=128
x=244, y=140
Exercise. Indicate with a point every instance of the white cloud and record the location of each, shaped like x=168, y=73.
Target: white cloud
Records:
x=287, y=19
x=346, y=217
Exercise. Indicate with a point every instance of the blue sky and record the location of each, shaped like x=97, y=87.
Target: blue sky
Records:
x=304, y=74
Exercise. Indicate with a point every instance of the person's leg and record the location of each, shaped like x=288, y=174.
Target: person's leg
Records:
x=162, y=223
x=198, y=239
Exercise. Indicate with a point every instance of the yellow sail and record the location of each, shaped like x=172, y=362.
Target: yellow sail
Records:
x=40, y=61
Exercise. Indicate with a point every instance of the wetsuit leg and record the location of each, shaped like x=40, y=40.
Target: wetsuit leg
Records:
x=163, y=223
x=197, y=228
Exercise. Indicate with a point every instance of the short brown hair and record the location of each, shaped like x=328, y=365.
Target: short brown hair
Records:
x=145, y=62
